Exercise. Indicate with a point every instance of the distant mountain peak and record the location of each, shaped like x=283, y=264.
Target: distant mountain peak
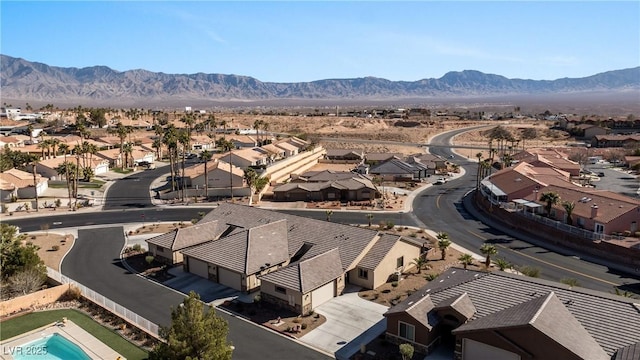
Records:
x=33, y=81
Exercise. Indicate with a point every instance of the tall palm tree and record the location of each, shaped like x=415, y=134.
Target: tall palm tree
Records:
x=122, y=132
x=224, y=124
x=550, y=198
x=184, y=140
x=569, y=206
x=127, y=150
x=227, y=146
x=251, y=178
x=488, y=250
x=443, y=243
x=206, y=156
x=65, y=149
x=466, y=260
x=256, y=127
x=34, y=162
x=54, y=142
x=170, y=139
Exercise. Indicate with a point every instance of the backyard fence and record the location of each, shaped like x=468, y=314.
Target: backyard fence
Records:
x=115, y=308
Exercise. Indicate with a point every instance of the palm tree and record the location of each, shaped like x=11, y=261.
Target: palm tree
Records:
x=419, y=262
x=479, y=156
x=223, y=123
x=65, y=149
x=256, y=127
x=35, y=182
x=54, y=142
x=502, y=264
x=184, y=140
x=227, y=146
x=369, y=218
x=251, y=177
x=568, y=207
x=170, y=139
x=488, y=250
x=550, y=198
x=328, y=213
x=206, y=156
x=443, y=243
x=466, y=260
x=127, y=150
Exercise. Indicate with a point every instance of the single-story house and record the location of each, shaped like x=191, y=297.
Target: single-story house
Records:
x=378, y=158
x=396, y=169
x=243, y=141
x=168, y=247
x=604, y=141
x=48, y=167
x=289, y=150
x=7, y=191
x=218, y=174
x=345, y=155
x=255, y=244
x=356, y=188
x=23, y=183
x=502, y=316
x=245, y=158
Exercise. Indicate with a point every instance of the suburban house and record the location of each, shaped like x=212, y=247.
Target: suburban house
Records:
x=289, y=149
x=502, y=316
x=378, y=158
x=275, y=152
x=202, y=142
x=604, y=141
x=8, y=191
x=218, y=174
x=117, y=159
x=294, y=261
x=327, y=186
x=47, y=167
x=23, y=183
x=345, y=155
x=11, y=142
x=243, y=141
x=551, y=158
x=589, y=131
x=245, y=158
x=167, y=247
x=396, y=169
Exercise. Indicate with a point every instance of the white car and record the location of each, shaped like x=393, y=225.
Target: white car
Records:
x=441, y=181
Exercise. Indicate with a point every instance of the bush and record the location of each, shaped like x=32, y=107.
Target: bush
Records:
x=73, y=293
x=304, y=326
x=136, y=247
x=149, y=259
x=430, y=277
x=530, y=271
x=55, y=248
x=394, y=284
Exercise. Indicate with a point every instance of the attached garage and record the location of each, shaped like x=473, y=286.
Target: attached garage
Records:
x=323, y=294
x=198, y=267
x=229, y=278
x=472, y=350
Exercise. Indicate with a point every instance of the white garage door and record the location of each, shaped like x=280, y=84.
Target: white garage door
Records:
x=229, y=278
x=474, y=350
x=198, y=267
x=322, y=294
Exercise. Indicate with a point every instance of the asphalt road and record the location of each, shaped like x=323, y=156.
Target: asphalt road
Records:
x=94, y=261
x=132, y=192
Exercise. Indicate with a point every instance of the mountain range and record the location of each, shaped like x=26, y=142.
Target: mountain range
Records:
x=32, y=81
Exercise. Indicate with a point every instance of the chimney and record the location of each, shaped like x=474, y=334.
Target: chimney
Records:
x=594, y=211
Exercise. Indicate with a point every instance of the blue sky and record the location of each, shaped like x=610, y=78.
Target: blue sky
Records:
x=306, y=41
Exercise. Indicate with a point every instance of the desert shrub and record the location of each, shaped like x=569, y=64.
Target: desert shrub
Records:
x=136, y=247
x=297, y=321
x=394, y=284
x=55, y=248
x=73, y=293
x=390, y=224
x=304, y=326
x=430, y=277
x=149, y=259
x=530, y=271
x=386, y=291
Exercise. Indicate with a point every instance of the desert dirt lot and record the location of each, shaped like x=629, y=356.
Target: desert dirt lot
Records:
x=52, y=246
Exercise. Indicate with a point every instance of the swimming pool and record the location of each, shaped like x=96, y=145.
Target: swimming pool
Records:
x=51, y=347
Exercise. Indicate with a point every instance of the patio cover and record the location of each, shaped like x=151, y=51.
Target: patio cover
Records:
x=527, y=203
x=494, y=189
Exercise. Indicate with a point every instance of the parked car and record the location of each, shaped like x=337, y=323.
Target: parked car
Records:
x=441, y=181
x=601, y=174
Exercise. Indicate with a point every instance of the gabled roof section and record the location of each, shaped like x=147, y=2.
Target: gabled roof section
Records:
x=547, y=315
x=418, y=308
x=461, y=304
x=307, y=275
x=179, y=239
x=600, y=314
x=378, y=251
x=350, y=240
x=631, y=352
x=266, y=246
x=246, y=251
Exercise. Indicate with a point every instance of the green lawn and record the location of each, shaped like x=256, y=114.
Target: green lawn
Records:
x=25, y=323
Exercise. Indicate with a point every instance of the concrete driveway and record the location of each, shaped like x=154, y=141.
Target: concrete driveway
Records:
x=351, y=321
x=210, y=292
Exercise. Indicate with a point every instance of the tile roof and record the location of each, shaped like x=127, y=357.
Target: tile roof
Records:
x=348, y=184
x=248, y=250
x=461, y=304
x=20, y=179
x=343, y=152
x=610, y=205
x=378, y=251
x=612, y=321
x=196, y=170
x=182, y=238
x=382, y=156
x=323, y=235
x=631, y=352
x=396, y=166
x=549, y=316
x=309, y=274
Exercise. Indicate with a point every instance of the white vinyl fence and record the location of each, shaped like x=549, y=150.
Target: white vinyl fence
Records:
x=124, y=313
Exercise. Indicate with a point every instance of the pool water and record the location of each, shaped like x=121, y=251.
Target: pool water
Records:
x=52, y=347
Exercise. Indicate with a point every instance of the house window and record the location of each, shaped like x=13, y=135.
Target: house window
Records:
x=281, y=290
x=160, y=249
x=406, y=331
x=363, y=273
x=400, y=262
x=581, y=222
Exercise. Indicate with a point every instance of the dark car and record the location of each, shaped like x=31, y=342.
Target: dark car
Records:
x=600, y=174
